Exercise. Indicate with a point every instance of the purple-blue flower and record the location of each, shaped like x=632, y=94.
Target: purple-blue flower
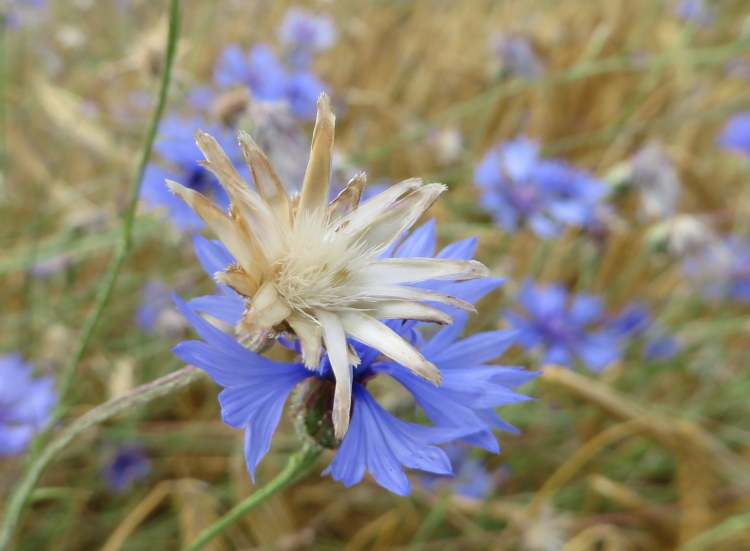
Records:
x=571, y=328
x=25, y=404
x=635, y=324
x=177, y=154
x=520, y=189
x=268, y=80
x=127, y=466
x=304, y=34
x=462, y=408
x=566, y=329
x=259, y=69
x=736, y=134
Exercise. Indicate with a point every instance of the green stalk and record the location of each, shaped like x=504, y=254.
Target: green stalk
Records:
x=35, y=468
x=138, y=396
x=297, y=466
x=124, y=244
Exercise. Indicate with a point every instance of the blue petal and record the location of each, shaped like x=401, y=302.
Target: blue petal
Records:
x=476, y=349
x=227, y=308
x=383, y=445
x=542, y=302
x=302, y=91
x=519, y=157
x=460, y=250
x=599, y=351
x=232, y=67
x=420, y=243
x=586, y=309
x=558, y=355
x=212, y=255
x=14, y=439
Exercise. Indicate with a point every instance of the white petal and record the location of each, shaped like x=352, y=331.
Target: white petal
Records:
x=374, y=334
x=317, y=181
x=366, y=213
x=338, y=354
x=377, y=293
x=266, y=180
x=248, y=205
x=412, y=270
x=309, y=334
x=404, y=310
x=267, y=308
x=391, y=224
x=239, y=280
x=348, y=199
x=224, y=227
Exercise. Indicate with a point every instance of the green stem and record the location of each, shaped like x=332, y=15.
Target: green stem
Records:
x=124, y=244
x=138, y=396
x=38, y=463
x=298, y=465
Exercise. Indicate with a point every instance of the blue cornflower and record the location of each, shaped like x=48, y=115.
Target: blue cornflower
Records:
x=635, y=323
x=461, y=408
x=260, y=70
x=736, y=134
x=177, y=154
x=566, y=328
x=268, y=79
x=304, y=34
x=25, y=404
x=127, y=466
x=521, y=189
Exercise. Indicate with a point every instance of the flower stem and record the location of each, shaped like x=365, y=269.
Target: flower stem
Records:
x=125, y=241
x=38, y=463
x=298, y=465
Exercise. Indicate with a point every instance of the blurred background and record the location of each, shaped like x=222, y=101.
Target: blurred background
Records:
x=600, y=152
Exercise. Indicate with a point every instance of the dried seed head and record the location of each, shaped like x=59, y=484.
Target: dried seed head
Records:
x=315, y=267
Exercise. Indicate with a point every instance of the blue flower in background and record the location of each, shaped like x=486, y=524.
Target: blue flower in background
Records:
x=736, y=134
x=25, y=404
x=177, y=154
x=636, y=323
x=259, y=70
x=565, y=328
x=521, y=189
x=127, y=466
x=461, y=408
x=268, y=79
x=304, y=34
x=302, y=91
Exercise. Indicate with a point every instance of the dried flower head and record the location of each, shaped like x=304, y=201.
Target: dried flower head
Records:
x=315, y=269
